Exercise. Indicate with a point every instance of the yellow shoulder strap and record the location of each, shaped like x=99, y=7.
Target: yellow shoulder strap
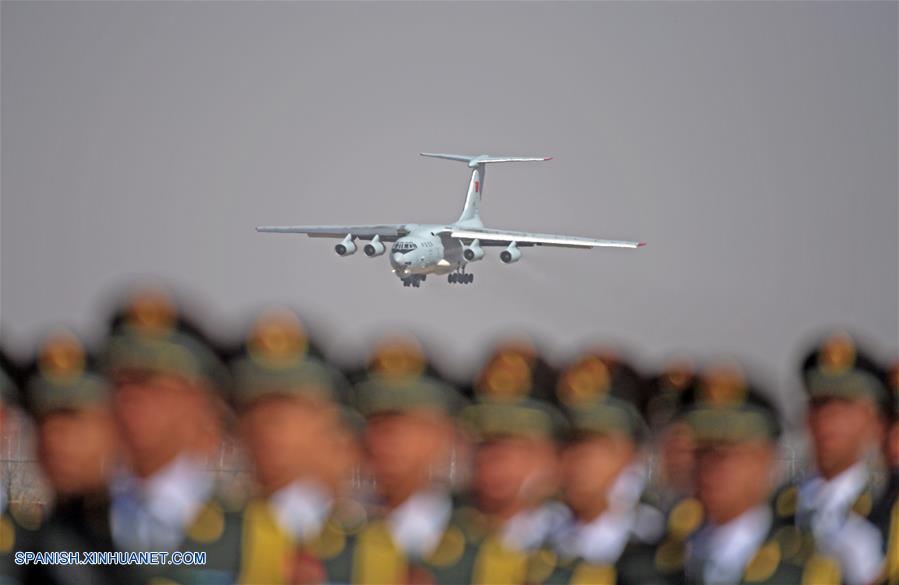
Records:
x=377, y=559
x=893, y=547
x=266, y=548
x=497, y=564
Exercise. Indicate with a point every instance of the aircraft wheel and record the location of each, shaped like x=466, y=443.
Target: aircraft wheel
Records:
x=469, y=279
x=451, y=278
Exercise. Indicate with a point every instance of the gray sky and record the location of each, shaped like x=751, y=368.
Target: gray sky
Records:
x=753, y=146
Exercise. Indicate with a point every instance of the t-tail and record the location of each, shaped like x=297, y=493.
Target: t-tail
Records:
x=471, y=213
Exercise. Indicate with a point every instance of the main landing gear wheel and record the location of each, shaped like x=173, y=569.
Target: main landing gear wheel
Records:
x=460, y=278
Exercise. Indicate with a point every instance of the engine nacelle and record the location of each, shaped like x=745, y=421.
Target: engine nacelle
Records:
x=374, y=248
x=347, y=247
x=473, y=252
x=510, y=254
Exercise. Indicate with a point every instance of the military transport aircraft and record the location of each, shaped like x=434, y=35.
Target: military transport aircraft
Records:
x=422, y=249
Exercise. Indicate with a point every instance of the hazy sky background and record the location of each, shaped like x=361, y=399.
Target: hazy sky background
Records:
x=753, y=146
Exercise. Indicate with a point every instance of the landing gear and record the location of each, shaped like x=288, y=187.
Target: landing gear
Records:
x=460, y=277
x=414, y=281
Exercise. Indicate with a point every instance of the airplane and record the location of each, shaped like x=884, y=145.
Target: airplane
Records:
x=422, y=249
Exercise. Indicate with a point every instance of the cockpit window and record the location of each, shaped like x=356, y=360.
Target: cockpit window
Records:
x=404, y=246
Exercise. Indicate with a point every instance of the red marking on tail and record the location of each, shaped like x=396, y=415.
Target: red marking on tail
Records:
x=477, y=186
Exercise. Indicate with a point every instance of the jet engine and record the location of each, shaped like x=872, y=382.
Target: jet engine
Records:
x=510, y=254
x=347, y=247
x=473, y=252
x=374, y=248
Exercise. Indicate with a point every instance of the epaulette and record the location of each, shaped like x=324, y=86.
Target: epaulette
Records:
x=683, y=520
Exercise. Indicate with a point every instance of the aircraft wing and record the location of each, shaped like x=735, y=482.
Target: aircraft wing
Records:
x=493, y=237
x=387, y=232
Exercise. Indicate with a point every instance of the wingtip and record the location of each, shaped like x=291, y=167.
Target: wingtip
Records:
x=547, y=158
x=641, y=244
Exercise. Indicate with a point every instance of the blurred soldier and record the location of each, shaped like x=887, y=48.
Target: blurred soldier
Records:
x=847, y=396
x=300, y=528
x=609, y=531
x=669, y=392
x=729, y=534
x=515, y=474
x=414, y=536
x=885, y=513
x=77, y=449
x=165, y=380
x=15, y=530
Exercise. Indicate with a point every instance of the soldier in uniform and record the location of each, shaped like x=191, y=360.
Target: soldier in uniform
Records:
x=413, y=534
x=77, y=449
x=16, y=529
x=166, y=378
x=610, y=528
x=514, y=477
x=885, y=513
x=670, y=390
x=730, y=532
x=847, y=399
x=301, y=526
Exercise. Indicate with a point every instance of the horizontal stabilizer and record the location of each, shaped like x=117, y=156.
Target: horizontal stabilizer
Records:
x=474, y=161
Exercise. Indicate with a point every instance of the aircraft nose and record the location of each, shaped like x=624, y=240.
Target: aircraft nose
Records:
x=396, y=259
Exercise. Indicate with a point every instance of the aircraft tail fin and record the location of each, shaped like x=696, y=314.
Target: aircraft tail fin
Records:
x=471, y=213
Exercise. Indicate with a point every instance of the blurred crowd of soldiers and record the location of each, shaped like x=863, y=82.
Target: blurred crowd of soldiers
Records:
x=589, y=473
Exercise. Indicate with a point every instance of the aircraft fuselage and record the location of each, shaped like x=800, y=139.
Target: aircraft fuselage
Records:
x=425, y=250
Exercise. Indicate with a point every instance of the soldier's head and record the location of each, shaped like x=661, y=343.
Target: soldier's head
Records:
x=602, y=397
x=670, y=391
x=77, y=439
x=515, y=462
x=847, y=395
x=735, y=430
x=166, y=378
x=284, y=397
x=408, y=433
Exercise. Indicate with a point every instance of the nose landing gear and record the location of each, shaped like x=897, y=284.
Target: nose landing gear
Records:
x=414, y=281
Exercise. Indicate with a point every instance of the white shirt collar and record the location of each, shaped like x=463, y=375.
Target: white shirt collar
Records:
x=721, y=552
x=529, y=529
x=828, y=501
x=301, y=508
x=603, y=539
x=418, y=524
x=160, y=507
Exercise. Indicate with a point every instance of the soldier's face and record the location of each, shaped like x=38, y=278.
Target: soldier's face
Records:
x=590, y=467
x=158, y=418
x=842, y=430
x=288, y=438
x=403, y=448
x=513, y=472
x=732, y=478
x=77, y=449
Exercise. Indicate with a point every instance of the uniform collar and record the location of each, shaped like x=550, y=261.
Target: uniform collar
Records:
x=164, y=504
x=418, y=524
x=301, y=508
x=529, y=529
x=834, y=497
x=721, y=552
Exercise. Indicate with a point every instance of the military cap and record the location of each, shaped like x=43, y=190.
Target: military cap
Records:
x=381, y=394
x=150, y=337
x=727, y=408
x=63, y=378
x=838, y=368
x=514, y=371
x=668, y=390
x=490, y=419
x=601, y=393
x=397, y=356
x=274, y=361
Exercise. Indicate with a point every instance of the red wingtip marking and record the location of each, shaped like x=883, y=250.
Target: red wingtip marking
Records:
x=641, y=244
x=548, y=158
x=477, y=186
